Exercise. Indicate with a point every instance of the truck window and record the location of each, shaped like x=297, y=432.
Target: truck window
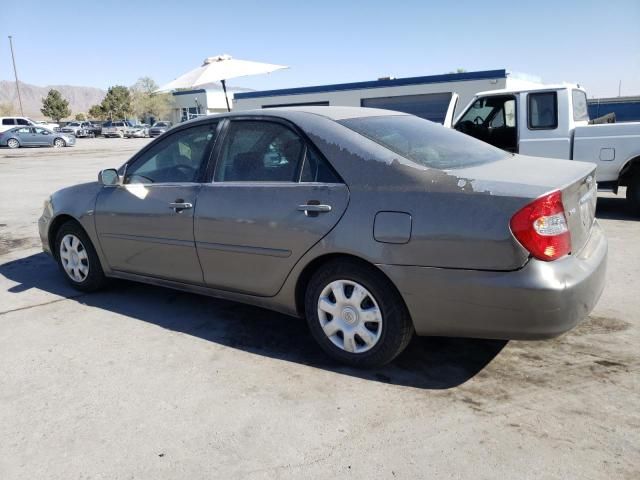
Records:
x=22, y=121
x=8, y=121
x=580, y=110
x=492, y=119
x=542, y=111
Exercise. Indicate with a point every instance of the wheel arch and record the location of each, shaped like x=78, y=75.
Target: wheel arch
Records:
x=55, y=225
x=314, y=265
x=629, y=170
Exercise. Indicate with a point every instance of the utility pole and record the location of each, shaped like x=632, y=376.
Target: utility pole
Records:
x=619, y=87
x=15, y=73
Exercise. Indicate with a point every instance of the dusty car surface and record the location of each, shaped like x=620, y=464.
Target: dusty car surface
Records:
x=370, y=224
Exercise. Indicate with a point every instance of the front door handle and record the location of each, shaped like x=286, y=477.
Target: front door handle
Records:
x=313, y=209
x=180, y=205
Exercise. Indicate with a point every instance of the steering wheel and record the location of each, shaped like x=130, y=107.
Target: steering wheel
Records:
x=478, y=120
x=187, y=171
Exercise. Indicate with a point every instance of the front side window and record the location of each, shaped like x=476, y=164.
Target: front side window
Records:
x=424, y=142
x=259, y=151
x=543, y=111
x=177, y=158
x=580, y=109
x=22, y=121
x=41, y=131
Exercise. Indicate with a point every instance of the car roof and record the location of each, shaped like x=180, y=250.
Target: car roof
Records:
x=329, y=112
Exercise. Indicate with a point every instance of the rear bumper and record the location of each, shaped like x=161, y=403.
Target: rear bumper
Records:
x=541, y=300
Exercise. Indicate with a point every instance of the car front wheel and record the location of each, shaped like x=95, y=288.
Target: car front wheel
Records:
x=58, y=143
x=356, y=315
x=78, y=259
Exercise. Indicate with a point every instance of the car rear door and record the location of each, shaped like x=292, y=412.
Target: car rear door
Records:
x=145, y=225
x=271, y=198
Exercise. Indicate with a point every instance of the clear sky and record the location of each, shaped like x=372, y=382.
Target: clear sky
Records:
x=101, y=43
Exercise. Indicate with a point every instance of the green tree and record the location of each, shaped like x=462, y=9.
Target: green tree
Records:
x=117, y=103
x=80, y=117
x=55, y=106
x=6, y=109
x=96, y=112
x=145, y=102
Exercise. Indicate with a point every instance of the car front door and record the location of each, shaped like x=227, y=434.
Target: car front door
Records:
x=42, y=136
x=272, y=197
x=145, y=225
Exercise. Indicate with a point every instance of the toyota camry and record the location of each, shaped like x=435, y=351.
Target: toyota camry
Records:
x=372, y=225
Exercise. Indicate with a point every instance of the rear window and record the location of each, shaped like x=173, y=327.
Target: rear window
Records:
x=580, y=109
x=425, y=142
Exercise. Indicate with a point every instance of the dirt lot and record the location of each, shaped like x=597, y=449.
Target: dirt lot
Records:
x=144, y=382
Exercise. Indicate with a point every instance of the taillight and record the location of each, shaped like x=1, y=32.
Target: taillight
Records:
x=541, y=227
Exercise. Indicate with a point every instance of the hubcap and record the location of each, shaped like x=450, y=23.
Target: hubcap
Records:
x=74, y=258
x=349, y=316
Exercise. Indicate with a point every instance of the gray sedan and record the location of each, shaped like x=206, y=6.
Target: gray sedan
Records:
x=35, y=137
x=370, y=224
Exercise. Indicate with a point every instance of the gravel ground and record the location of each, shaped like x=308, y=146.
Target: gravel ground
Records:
x=144, y=382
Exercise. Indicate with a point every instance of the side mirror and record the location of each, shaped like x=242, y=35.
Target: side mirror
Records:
x=109, y=177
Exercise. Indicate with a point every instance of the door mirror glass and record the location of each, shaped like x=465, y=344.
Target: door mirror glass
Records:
x=109, y=177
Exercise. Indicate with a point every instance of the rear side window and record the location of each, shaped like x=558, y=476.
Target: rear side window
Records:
x=543, y=111
x=424, y=142
x=316, y=169
x=8, y=121
x=259, y=151
x=580, y=109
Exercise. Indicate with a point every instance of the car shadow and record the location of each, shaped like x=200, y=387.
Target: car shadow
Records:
x=614, y=208
x=428, y=362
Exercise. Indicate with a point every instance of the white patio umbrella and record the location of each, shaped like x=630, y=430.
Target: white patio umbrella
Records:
x=219, y=69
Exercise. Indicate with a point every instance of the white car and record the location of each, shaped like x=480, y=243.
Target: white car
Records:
x=7, y=123
x=553, y=121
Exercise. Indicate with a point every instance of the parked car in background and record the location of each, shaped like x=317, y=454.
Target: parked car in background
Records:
x=7, y=123
x=159, y=128
x=371, y=224
x=81, y=129
x=35, y=137
x=115, y=128
x=553, y=121
x=137, y=131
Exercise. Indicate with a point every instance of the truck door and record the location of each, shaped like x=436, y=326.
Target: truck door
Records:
x=492, y=119
x=544, y=126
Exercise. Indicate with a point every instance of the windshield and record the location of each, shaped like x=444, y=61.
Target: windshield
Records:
x=424, y=142
x=74, y=124
x=161, y=124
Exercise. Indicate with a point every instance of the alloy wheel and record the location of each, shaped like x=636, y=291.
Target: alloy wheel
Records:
x=13, y=143
x=349, y=316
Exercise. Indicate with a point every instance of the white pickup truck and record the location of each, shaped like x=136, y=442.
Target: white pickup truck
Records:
x=553, y=121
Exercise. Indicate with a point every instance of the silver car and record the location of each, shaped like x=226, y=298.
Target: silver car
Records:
x=35, y=137
x=159, y=128
x=370, y=224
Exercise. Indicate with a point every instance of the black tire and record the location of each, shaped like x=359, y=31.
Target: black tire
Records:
x=633, y=194
x=95, y=279
x=397, y=327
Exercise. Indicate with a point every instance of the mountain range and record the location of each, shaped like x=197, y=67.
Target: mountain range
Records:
x=80, y=98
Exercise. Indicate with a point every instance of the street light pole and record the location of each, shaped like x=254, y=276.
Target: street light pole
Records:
x=15, y=73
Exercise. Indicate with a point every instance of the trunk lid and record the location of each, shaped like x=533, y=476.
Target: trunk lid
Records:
x=528, y=178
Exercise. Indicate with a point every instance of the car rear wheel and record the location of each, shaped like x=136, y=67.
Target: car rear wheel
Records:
x=13, y=143
x=78, y=259
x=633, y=194
x=356, y=315
x=58, y=142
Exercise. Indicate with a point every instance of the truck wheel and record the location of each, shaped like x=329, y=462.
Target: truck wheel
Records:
x=633, y=194
x=356, y=315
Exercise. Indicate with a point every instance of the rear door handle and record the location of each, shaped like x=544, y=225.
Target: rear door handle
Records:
x=313, y=210
x=178, y=206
